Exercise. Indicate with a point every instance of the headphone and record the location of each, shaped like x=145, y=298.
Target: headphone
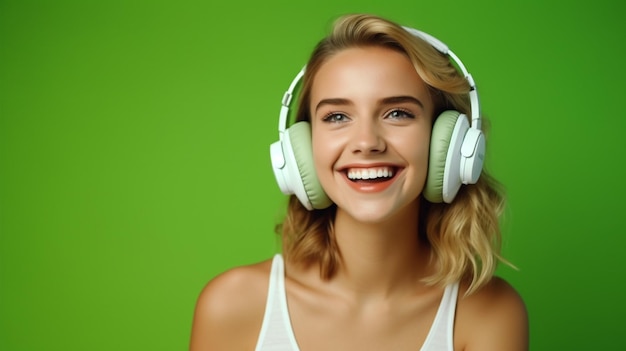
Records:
x=457, y=147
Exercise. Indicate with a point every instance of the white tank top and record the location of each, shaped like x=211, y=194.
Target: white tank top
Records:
x=276, y=333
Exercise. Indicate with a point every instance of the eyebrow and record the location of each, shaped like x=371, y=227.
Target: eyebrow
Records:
x=387, y=100
x=402, y=99
x=334, y=101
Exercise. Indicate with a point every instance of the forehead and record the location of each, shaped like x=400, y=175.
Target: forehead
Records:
x=367, y=72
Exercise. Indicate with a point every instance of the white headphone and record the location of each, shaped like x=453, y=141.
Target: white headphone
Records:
x=457, y=147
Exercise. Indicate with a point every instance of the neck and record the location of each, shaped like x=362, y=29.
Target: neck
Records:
x=383, y=258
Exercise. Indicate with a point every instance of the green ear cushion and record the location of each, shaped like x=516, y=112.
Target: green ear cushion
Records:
x=300, y=137
x=439, y=144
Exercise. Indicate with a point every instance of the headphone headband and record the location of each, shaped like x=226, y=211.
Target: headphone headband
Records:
x=286, y=102
x=443, y=48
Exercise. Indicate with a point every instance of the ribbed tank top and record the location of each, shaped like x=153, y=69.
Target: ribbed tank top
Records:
x=277, y=335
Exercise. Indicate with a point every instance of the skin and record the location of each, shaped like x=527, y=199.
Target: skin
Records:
x=377, y=300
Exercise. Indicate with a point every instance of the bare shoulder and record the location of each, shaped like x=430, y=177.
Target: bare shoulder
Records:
x=492, y=318
x=230, y=308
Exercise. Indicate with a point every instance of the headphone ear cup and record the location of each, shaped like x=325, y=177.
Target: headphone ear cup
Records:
x=299, y=139
x=443, y=180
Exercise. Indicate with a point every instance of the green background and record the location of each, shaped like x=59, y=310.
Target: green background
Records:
x=134, y=156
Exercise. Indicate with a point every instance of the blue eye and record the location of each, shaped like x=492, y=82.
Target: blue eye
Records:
x=335, y=118
x=400, y=114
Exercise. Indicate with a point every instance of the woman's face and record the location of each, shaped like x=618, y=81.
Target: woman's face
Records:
x=371, y=118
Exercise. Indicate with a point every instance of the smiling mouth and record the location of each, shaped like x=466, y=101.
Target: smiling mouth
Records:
x=373, y=174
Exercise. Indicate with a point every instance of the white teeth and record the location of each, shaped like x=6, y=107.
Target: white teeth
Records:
x=370, y=173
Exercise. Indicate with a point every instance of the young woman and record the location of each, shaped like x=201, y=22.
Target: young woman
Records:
x=392, y=238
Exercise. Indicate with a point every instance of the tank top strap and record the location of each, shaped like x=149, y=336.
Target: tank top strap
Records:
x=276, y=333
x=441, y=334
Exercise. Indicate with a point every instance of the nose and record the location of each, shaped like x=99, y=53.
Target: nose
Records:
x=367, y=138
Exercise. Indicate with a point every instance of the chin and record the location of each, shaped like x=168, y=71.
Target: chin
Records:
x=377, y=213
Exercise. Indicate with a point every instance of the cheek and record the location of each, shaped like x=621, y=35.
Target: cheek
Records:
x=416, y=151
x=324, y=152
x=415, y=145
x=424, y=150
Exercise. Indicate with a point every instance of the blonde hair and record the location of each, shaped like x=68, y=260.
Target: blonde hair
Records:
x=465, y=234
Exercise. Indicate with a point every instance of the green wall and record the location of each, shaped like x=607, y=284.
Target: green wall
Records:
x=134, y=156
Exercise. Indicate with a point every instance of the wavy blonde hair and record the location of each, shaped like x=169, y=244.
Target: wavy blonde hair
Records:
x=465, y=234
